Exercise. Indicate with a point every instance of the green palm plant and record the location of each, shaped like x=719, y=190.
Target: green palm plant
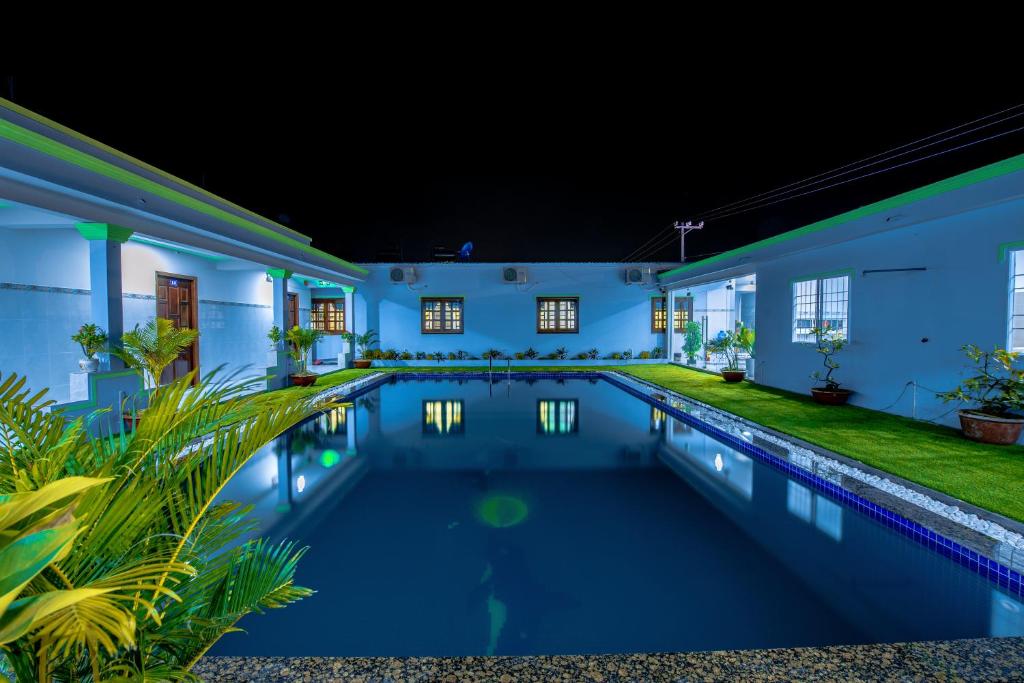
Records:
x=150, y=349
x=300, y=341
x=140, y=567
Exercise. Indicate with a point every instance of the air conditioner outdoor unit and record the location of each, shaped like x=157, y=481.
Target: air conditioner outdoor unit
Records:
x=511, y=275
x=405, y=275
x=638, y=276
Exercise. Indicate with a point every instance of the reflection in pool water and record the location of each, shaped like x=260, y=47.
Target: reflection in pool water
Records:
x=640, y=533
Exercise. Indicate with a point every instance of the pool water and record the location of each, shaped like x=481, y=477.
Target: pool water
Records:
x=458, y=517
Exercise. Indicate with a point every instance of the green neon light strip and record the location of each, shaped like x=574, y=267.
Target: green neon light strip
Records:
x=978, y=175
x=18, y=109
x=41, y=143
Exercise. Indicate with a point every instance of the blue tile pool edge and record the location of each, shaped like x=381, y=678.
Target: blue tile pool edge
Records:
x=1005, y=577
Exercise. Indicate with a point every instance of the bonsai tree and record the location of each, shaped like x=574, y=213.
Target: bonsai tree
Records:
x=150, y=349
x=828, y=342
x=301, y=341
x=363, y=341
x=91, y=338
x=691, y=341
x=997, y=388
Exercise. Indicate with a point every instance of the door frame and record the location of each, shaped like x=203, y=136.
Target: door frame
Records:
x=194, y=310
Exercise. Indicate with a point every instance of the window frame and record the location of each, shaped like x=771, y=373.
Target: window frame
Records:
x=819, y=303
x=424, y=301
x=677, y=313
x=541, y=300
x=339, y=307
x=654, y=314
x=1012, y=292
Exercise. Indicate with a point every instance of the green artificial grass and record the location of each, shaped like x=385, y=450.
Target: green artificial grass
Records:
x=940, y=458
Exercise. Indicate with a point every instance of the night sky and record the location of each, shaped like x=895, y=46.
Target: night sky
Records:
x=569, y=169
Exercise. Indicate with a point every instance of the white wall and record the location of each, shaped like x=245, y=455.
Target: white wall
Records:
x=961, y=298
x=613, y=316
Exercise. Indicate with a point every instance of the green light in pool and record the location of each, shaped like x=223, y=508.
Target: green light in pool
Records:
x=330, y=458
x=502, y=511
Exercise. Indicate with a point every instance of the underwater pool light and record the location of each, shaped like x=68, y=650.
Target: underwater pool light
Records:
x=500, y=511
x=330, y=458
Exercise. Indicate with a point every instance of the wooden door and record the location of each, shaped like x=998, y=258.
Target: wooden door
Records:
x=176, y=301
x=293, y=310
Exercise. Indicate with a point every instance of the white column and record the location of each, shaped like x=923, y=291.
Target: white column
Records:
x=350, y=320
x=105, y=282
x=670, y=326
x=280, y=278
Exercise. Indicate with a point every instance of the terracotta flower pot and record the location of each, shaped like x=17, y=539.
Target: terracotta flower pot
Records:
x=733, y=375
x=1001, y=431
x=361, y=363
x=303, y=380
x=131, y=420
x=831, y=397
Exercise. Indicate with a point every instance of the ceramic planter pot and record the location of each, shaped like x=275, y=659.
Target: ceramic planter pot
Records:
x=733, y=375
x=1001, y=431
x=131, y=420
x=831, y=397
x=89, y=364
x=303, y=380
x=361, y=363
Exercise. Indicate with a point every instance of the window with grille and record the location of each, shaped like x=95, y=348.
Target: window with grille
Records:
x=441, y=315
x=823, y=303
x=1016, y=342
x=327, y=315
x=557, y=315
x=682, y=313
x=659, y=314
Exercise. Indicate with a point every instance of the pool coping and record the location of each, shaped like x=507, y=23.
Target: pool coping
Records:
x=980, y=659
x=978, y=540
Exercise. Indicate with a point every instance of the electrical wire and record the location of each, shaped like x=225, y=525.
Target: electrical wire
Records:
x=662, y=238
x=854, y=166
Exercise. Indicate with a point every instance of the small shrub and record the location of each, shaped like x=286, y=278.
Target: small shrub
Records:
x=592, y=354
x=531, y=353
x=582, y=355
x=627, y=354
x=616, y=356
x=519, y=355
x=560, y=354
x=405, y=355
x=438, y=356
x=421, y=355
x=493, y=354
x=658, y=352
x=644, y=355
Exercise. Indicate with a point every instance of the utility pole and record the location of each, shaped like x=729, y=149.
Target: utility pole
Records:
x=684, y=228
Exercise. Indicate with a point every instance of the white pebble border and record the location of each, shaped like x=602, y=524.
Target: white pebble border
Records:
x=1009, y=549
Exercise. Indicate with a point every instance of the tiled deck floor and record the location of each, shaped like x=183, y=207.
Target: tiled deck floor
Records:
x=985, y=659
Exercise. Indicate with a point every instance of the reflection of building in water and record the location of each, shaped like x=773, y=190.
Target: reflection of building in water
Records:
x=657, y=420
x=557, y=416
x=815, y=509
x=333, y=421
x=443, y=418
x=712, y=460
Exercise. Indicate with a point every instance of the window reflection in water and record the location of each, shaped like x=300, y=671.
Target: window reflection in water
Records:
x=333, y=421
x=815, y=509
x=557, y=416
x=443, y=418
x=657, y=420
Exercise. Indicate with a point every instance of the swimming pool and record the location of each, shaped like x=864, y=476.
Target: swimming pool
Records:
x=560, y=516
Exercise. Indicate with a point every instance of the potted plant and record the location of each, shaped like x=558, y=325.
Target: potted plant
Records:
x=363, y=342
x=692, y=342
x=998, y=392
x=301, y=340
x=148, y=351
x=745, y=341
x=92, y=339
x=727, y=345
x=828, y=344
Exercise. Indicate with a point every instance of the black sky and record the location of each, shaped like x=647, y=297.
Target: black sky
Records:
x=562, y=168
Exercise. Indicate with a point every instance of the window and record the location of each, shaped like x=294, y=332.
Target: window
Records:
x=557, y=416
x=441, y=315
x=823, y=303
x=558, y=315
x=682, y=314
x=659, y=314
x=328, y=315
x=1016, y=342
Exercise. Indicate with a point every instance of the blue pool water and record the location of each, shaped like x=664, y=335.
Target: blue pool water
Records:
x=455, y=517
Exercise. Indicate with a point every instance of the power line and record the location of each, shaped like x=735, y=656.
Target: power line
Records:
x=663, y=237
x=874, y=159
